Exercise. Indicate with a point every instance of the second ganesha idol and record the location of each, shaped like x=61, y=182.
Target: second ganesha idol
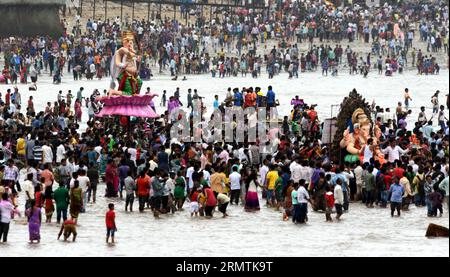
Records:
x=358, y=135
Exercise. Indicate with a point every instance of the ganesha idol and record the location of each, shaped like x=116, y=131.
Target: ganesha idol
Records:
x=126, y=100
x=357, y=135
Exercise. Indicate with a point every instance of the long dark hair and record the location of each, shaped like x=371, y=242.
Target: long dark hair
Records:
x=251, y=177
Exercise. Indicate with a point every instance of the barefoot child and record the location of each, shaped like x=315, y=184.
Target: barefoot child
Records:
x=110, y=223
x=193, y=206
x=338, y=198
x=329, y=197
x=49, y=207
x=223, y=201
x=69, y=228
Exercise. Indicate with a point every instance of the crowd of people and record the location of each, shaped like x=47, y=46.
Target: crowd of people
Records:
x=46, y=158
x=58, y=166
x=234, y=42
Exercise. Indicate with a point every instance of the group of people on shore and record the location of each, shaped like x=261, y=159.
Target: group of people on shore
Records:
x=238, y=42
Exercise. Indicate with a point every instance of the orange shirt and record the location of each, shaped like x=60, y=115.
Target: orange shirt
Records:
x=143, y=186
x=48, y=176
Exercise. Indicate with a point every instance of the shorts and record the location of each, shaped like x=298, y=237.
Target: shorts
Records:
x=193, y=207
x=269, y=194
x=338, y=208
x=70, y=229
x=280, y=198
x=110, y=232
x=223, y=208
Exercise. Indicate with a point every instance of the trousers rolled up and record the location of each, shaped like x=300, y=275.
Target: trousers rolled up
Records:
x=61, y=213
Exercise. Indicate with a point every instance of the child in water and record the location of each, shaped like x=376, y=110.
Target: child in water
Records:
x=69, y=228
x=193, y=206
x=329, y=197
x=110, y=223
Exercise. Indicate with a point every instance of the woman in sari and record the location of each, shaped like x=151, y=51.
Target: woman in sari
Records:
x=112, y=178
x=34, y=222
x=76, y=201
x=78, y=112
x=251, y=198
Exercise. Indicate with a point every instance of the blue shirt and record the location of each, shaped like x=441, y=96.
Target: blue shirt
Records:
x=238, y=99
x=270, y=97
x=216, y=104
x=343, y=179
x=36, y=123
x=396, y=191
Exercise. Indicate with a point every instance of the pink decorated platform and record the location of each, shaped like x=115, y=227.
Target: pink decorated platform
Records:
x=138, y=106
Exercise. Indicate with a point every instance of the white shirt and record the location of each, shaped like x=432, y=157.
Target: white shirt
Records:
x=207, y=176
x=133, y=154
x=47, y=154
x=394, y=153
x=306, y=173
x=153, y=165
x=302, y=195
x=98, y=149
x=60, y=152
x=367, y=154
x=6, y=209
x=189, y=172
x=296, y=170
x=83, y=181
x=29, y=187
x=235, y=181
x=338, y=195
x=358, y=174
x=262, y=174
x=170, y=185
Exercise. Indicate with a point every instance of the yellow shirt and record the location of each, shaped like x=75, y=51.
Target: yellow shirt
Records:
x=20, y=147
x=201, y=199
x=271, y=177
x=226, y=189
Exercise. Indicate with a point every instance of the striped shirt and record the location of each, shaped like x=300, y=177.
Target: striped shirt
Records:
x=37, y=152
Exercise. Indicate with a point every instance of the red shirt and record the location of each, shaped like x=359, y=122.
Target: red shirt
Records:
x=398, y=171
x=330, y=199
x=211, y=201
x=387, y=181
x=312, y=115
x=194, y=196
x=38, y=197
x=143, y=186
x=69, y=222
x=8, y=98
x=110, y=216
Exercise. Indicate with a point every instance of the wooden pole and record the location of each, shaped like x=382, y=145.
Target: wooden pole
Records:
x=132, y=11
x=81, y=8
x=121, y=11
x=174, y=11
x=93, y=11
x=148, y=11
x=106, y=10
